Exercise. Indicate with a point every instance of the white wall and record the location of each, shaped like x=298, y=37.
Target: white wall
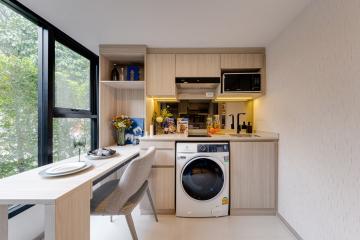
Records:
x=27, y=225
x=313, y=101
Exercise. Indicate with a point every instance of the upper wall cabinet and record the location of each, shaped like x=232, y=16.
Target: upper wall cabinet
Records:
x=242, y=61
x=197, y=65
x=160, y=75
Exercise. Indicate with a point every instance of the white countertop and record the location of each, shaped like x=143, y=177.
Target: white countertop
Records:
x=30, y=188
x=256, y=137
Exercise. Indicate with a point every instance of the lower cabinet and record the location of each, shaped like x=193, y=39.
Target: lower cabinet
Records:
x=253, y=178
x=162, y=179
x=162, y=188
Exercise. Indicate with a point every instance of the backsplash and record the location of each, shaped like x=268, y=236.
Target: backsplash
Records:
x=198, y=111
x=238, y=107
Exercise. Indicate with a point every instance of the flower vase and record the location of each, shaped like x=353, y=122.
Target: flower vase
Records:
x=120, y=136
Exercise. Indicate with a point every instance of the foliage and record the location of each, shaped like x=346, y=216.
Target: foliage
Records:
x=19, y=95
x=72, y=74
x=122, y=121
x=165, y=113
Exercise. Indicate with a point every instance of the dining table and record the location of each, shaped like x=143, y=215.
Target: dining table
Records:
x=66, y=198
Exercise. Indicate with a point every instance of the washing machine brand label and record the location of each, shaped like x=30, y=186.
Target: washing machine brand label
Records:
x=225, y=201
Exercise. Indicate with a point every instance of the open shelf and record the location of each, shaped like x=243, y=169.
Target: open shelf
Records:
x=124, y=84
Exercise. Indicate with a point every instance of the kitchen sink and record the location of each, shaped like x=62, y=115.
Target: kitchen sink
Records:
x=243, y=135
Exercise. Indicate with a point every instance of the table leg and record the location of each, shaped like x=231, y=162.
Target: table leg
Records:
x=50, y=224
x=69, y=218
x=4, y=222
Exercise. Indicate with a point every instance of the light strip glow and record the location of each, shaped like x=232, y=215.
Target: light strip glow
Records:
x=232, y=99
x=165, y=99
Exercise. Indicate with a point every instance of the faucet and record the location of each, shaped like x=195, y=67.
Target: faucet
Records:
x=238, y=128
x=232, y=120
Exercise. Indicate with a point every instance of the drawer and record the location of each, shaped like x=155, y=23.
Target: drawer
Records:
x=158, y=144
x=163, y=157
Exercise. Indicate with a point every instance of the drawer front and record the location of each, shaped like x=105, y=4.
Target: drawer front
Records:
x=158, y=144
x=163, y=157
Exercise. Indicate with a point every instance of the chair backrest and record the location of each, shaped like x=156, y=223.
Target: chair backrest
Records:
x=136, y=173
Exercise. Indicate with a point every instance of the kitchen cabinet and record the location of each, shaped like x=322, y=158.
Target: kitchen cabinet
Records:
x=253, y=178
x=160, y=75
x=197, y=65
x=162, y=188
x=242, y=61
x=162, y=178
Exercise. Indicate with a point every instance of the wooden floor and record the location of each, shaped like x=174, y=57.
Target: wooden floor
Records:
x=171, y=227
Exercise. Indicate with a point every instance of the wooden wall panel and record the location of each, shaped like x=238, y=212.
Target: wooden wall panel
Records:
x=130, y=102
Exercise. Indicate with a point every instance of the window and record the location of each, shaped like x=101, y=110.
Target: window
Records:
x=48, y=93
x=72, y=79
x=18, y=93
x=68, y=130
x=72, y=99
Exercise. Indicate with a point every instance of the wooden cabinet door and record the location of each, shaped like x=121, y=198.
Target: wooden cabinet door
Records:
x=242, y=61
x=197, y=65
x=253, y=175
x=162, y=188
x=164, y=157
x=160, y=75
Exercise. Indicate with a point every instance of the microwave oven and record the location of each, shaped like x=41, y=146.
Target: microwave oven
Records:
x=241, y=82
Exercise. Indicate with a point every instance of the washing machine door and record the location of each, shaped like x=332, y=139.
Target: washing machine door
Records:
x=202, y=178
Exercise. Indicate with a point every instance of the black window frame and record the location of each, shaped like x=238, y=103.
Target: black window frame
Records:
x=47, y=111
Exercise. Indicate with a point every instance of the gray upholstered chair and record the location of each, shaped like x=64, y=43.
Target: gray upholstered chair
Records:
x=120, y=197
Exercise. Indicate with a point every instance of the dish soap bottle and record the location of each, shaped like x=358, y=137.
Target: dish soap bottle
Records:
x=243, y=128
x=249, y=128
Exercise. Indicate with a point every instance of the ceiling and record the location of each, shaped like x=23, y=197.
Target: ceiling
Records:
x=170, y=23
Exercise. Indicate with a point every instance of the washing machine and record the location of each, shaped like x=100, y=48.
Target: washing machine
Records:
x=202, y=179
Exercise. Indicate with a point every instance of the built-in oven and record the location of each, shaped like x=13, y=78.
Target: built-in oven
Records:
x=241, y=82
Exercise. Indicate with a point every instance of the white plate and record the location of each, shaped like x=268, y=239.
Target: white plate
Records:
x=44, y=173
x=65, y=168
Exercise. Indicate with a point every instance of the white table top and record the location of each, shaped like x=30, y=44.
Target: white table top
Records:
x=30, y=188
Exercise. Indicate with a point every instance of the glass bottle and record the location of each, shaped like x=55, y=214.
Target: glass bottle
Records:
x=209, y=123
x=115, y=73
x=132, y=75
x=122, y=74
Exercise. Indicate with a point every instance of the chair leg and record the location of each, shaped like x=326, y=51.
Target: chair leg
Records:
x=131, y=225
x=152, y=204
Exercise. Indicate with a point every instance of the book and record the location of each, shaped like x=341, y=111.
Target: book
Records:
x=182, y=125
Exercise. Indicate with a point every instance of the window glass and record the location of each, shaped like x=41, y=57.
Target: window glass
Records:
x=70, y=135
x=18, y=93
x=72, y=79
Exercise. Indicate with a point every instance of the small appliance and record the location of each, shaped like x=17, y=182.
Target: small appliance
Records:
x=241, y=82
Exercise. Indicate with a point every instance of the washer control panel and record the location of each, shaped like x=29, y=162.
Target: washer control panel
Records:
x=213, y=148
x=206, y=147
